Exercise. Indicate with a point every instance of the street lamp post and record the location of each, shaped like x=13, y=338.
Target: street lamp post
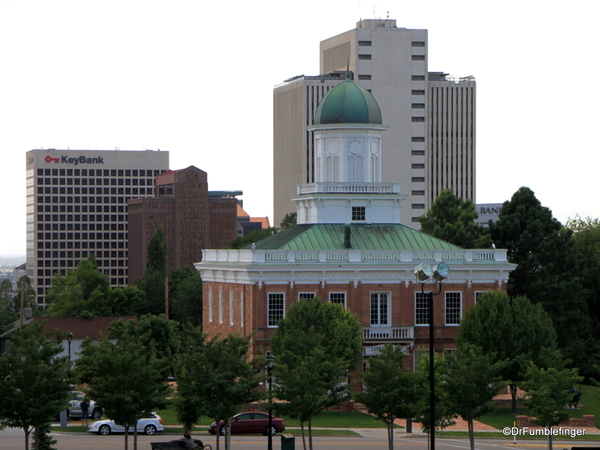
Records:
x=439, y=273
x=270, y=364
x=69, y=339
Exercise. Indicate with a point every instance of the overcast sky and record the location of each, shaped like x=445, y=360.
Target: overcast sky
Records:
x=196, y=78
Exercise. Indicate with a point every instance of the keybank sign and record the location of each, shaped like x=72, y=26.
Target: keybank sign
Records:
x=75, y=160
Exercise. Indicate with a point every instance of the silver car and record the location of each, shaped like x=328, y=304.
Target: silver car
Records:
x=74, y=410
x=150, y=424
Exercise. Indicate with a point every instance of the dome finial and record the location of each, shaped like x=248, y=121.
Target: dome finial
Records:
x=348, y=77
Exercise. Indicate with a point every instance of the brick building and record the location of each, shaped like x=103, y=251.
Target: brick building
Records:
x=349, y=247
x=190, y=220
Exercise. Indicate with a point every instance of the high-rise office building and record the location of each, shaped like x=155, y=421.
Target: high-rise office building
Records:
x=77, y=205
x=431, y=142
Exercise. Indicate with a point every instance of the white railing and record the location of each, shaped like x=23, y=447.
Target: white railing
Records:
x=352, y=256
x=387, y=333
x=345, y=188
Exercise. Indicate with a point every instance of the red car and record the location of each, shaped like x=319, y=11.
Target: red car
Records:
x=250, y=422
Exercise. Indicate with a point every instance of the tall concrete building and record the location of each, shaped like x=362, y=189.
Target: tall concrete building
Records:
x=77, y=205
x=431, y=142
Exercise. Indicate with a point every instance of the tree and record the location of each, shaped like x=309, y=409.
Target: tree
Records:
x=252, y=237
x=547, y=271
x=125, y=377
x=289, y=220
x=444, y=409
x=86, y=292
x=391, y=391
x=185, y=297
x=509, y=329
x=547, y=393
x=585, y=352
x=214, y=377
x=472, y=382
x=7, y=312
x=317, y=346
x=35, y=381
x=453, y=220
x=153, y=332
x=155, y=273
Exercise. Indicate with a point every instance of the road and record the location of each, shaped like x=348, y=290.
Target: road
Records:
x=369, y=439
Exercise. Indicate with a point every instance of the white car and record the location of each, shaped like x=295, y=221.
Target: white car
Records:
x=150, y=424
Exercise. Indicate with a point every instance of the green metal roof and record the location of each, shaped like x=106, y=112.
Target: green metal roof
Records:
x=348, y=102
x=362, y=237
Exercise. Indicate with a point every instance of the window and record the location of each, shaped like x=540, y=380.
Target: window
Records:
x=418, y=152
x=220, y=306
x=418, y=43
x=418, y=119
x=417, y=92
x=417, y=139
x=418, y=193
x=275, y=308
x=453, y=308
x=418, y=206
x=210, y=305
x=364, y=43
x=380, y=308
x=417, y=166
x=368, y=77
x=418, y=179
x=364, y=57
x=338, y=297
x=418, y=57
x=418, y=78
x=306, y=295
x=358, y=213
x=421, y=309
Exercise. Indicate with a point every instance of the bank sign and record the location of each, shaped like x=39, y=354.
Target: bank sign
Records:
x=75, y=160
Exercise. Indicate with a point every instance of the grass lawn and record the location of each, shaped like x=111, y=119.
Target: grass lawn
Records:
x=588, y=404
x=327, y=419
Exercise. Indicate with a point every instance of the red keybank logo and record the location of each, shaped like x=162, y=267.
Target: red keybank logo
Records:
x=75, y=160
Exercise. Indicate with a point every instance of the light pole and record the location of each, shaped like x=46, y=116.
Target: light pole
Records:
x=69, y=339
x=439, y=273
x=270, y=364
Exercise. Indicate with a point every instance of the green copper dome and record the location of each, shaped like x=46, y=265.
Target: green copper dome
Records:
x=348, y=102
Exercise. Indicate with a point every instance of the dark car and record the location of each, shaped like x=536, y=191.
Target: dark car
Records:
x=250, y=422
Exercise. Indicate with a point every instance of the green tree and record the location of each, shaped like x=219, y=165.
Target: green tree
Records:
x=125, y=377
x=153, y=332
x=547, y=393
x=214, y=377
x=509, y=329
x=391, y=391
x=7, y=312
x=317, y=346
x=252, y=237
x=289, y=220
x=35, y=380
x=453, y=220
x=445, y=410
x=185, y=297
x=155, y=273
x=472, y=383
x=86, y=292
x=547, y=270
